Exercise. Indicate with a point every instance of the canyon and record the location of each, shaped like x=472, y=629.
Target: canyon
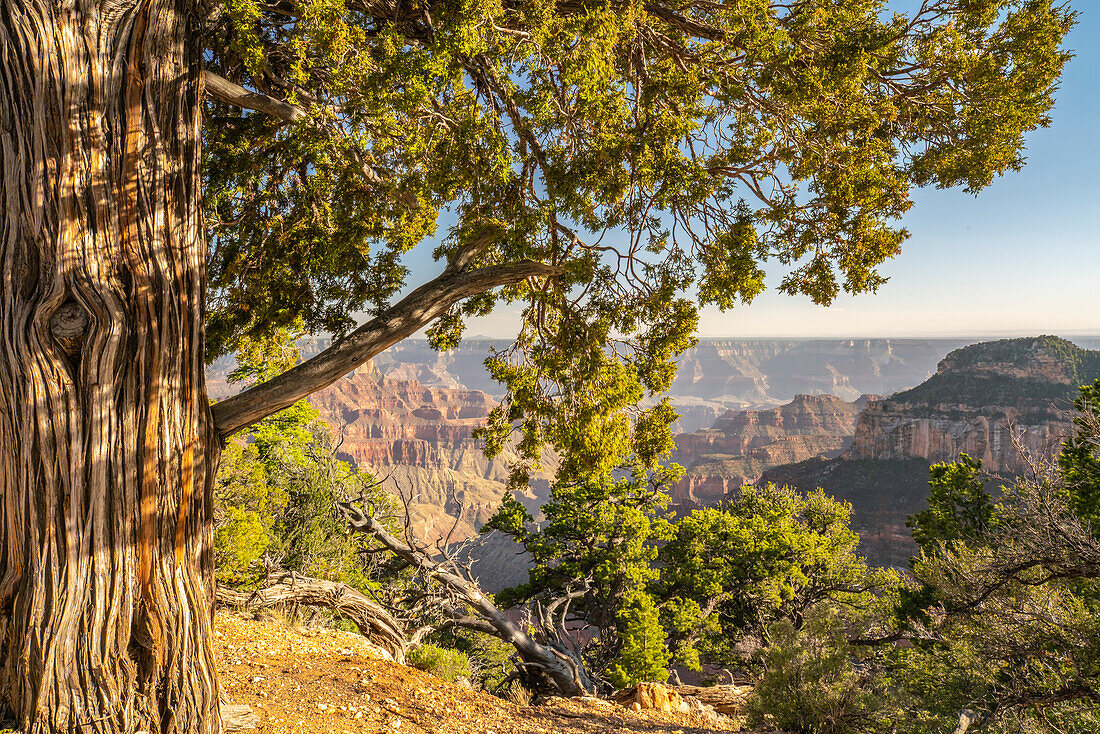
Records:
x=798, y=412
x=989, y=400
x=420, y=439
x=742, y=444
x=1007, y=403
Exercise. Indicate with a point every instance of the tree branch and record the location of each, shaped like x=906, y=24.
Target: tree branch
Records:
x=226, y=91
x=565, y=672
x=402, y=320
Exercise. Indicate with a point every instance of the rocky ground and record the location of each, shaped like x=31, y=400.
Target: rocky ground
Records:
x=324, y=681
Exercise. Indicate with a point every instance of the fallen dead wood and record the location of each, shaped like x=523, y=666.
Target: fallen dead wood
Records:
x=374, y=622
x=729, y=700
x=560, y=669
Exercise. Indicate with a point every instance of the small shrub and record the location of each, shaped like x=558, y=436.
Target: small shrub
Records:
x=440, y=661
x=812, y=684
x=519, y=694
x=239, y=543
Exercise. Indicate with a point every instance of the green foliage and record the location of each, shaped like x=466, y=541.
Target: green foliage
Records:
x=442, y=662
x=1080, y=460
x=771, y=554
x=491, y=659
x=596, y=542
x=648, y=152
x=813, y=684
x=239, y=542
x=960, y=510
x=276, y=489
x=644, y=656
x=1005, y=619
x=731, y=269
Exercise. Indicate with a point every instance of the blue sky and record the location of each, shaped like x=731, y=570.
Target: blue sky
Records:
x=1020, y=258
x=1023, y=257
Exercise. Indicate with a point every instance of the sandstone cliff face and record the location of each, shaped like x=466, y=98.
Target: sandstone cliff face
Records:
x=895, y=430
x=422, y=439
x=741, y=445
x=979, y=397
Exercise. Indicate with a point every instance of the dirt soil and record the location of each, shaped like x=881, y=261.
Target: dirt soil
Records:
x=324, y=681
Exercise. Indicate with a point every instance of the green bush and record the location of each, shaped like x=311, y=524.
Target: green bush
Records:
x=440, y=661
x=239, y=542
x=812, y=684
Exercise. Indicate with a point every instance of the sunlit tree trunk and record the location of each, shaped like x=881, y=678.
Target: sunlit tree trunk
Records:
x=105, y=441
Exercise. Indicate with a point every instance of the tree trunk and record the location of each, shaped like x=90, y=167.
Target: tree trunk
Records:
x=106, y=457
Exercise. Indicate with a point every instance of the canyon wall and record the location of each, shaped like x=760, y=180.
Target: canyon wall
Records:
x=715, y=376
x=979, y=398
x=410, y=416
x=986, y=400
x=742, y=444
x=421, y=439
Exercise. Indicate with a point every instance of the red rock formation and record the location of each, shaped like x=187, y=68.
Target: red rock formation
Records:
x=422, y=439
x=741, y=445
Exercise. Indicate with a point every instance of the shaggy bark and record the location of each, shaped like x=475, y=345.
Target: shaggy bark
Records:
x=105, y=436
x=107, y=445
x=374, y=622
x=563, y=671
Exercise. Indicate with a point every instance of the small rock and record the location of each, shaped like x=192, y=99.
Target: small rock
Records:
x=656, y=696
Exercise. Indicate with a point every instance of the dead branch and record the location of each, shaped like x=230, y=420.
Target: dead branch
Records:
x=545, y=663
x=374, y=622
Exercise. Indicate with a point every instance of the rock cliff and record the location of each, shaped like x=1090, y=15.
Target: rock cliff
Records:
x=421, y=438
x=979, y=397
x=741, y=445
x=715, y=376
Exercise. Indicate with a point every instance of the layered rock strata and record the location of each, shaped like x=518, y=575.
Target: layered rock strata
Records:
x=741, y=445
x=421, y=439
x=988, y=400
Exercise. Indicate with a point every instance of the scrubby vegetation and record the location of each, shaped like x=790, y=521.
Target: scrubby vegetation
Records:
x=998, y=615
x=276, y=490
x=442, y=662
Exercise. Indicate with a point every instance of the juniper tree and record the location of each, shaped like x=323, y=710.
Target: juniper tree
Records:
x=180, y=173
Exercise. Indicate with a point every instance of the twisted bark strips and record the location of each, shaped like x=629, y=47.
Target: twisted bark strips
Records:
x=105, y=436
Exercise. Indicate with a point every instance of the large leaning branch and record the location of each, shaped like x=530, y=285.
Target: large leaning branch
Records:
x=400, y=321
x=564, y=671
x=226, y=91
